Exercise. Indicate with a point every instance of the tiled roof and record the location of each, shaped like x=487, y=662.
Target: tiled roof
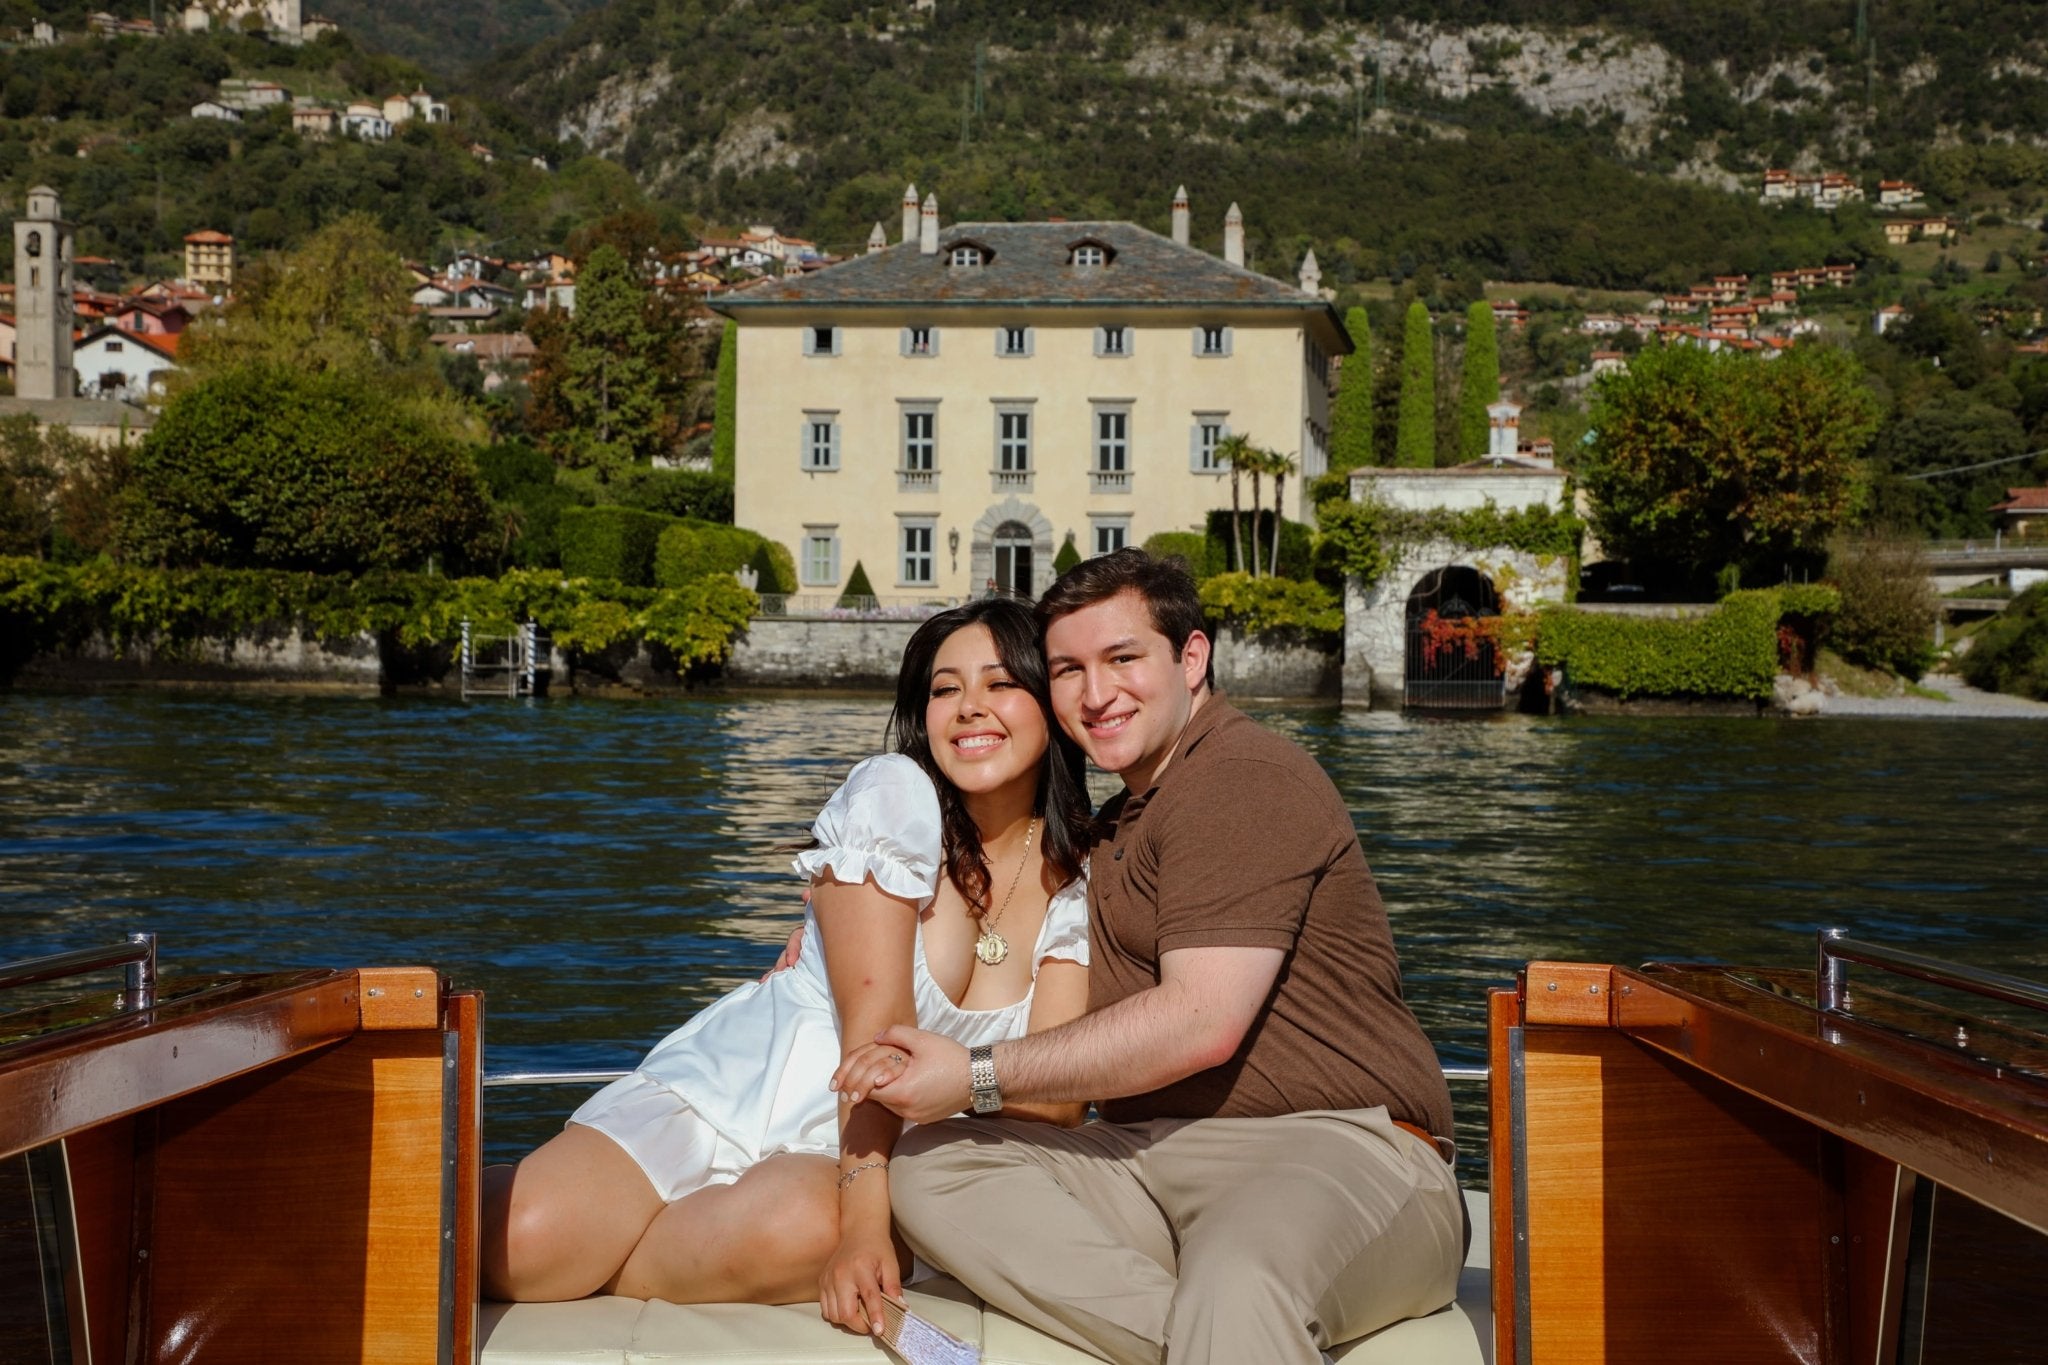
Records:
x=2024, y=500
x=1028, y=264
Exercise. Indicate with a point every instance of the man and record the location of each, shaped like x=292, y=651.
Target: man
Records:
x=1264, y=1182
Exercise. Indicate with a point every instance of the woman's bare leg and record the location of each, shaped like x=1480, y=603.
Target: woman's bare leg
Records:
x=561, y=1223
x=763, y=1239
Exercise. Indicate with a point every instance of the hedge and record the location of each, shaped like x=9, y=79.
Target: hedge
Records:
x=1258, y=605
x=1297, y=542
x=1732, y=651
x=614, y=543
x=690, y=550
x=1204, y=557
x=47, y=606
x=697, y=493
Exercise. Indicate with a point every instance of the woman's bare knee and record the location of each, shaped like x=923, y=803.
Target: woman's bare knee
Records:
x=561, y=1223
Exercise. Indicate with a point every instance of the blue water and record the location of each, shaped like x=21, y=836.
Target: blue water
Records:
x=601, y=869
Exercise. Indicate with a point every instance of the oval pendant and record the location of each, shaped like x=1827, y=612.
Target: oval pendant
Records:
x=991, y=948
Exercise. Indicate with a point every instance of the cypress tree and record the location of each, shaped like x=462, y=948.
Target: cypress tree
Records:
x=1481, y=382
x=1068, y=556
x=1351, y=414
x=1415, y=438
x=725, y=416
x=858, y=593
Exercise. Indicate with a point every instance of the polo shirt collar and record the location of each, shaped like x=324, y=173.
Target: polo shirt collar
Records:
x=1210, y=716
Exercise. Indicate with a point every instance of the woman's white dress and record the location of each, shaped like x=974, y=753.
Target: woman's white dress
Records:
x=746, y=1078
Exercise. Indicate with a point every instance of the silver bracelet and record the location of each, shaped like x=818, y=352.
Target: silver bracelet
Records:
x=847, y=1177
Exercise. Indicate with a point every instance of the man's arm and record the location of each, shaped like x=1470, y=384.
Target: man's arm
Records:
x=1194, y=1019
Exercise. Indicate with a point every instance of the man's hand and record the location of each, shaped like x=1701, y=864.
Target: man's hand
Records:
x=790, y=950
x=919, y=1076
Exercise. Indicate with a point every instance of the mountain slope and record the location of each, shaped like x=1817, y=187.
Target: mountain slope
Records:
x=1503, y=147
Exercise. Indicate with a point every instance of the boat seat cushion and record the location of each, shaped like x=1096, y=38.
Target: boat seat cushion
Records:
x=614, y=1331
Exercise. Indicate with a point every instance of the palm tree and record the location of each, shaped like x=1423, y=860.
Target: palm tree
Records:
x=1235, y=450
x=1279, y=466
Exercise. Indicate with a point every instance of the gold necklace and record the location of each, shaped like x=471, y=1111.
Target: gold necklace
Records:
x=992, y=947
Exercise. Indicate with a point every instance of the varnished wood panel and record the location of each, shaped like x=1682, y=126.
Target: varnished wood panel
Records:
x=1987, y=1280
x=53, y=1087
x=1567, y=993
x=1503, y=1012
x=297, y=1211
x=1944, y=1115
x=102, y=1165
x=1878, y=1224
x=466, y=1020
x=1670, y=1217
x=400, y=997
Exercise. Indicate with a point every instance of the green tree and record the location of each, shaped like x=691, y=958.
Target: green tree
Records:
x=725, y=420
x=1237, y=451
x=262, y=466
x=859, y=594
x=342, y=302
x=1068, y=556
x=1351, y=413
x=1480, y=387
x=1706, y=461
x=609, y=386
x=1415, y=443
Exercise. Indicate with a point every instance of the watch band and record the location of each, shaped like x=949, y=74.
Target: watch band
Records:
x=981, y=1078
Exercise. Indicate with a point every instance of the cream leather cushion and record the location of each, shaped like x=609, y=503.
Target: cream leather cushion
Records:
x=610, y=1331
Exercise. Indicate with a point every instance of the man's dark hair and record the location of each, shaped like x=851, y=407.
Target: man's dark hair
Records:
x=1166, y=586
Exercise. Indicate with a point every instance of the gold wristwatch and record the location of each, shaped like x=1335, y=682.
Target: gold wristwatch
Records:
x=981, y=1078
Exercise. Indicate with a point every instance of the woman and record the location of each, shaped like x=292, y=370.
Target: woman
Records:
x=947, y=891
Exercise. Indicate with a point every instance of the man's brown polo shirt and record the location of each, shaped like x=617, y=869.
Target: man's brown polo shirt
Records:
x=1244, y=842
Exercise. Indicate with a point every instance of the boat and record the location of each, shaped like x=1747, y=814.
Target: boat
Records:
x=1688, y=1162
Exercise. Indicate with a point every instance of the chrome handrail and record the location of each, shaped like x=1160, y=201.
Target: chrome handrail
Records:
x=493, y=1079
x=138, y=955
x=1837, y=951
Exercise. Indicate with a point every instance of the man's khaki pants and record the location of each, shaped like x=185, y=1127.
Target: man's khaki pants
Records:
x=1239, y=1241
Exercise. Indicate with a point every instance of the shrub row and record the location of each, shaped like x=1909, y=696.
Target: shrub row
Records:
x=690, y=550
x=1259, y=605
x=1732, y=651
x=52, y=606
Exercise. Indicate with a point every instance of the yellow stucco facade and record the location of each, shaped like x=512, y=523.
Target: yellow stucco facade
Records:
x=945, y=451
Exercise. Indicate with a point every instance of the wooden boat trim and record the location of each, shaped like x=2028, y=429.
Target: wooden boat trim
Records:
x=1983, y=1135
x=53, y=1087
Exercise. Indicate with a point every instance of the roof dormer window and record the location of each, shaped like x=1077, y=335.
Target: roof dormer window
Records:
x=968, y=254
x=1090, y=252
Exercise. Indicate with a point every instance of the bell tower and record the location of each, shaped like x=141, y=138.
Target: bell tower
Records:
x=42, y=299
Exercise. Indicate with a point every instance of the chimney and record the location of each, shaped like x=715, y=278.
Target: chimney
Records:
x=1503, y=431
x=928, y=227
x=1180, y=216
x=910, y=213
x=1311, y=275
x=876, y=240
x=1233, y=236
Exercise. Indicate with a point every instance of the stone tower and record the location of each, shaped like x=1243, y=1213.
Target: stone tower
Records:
x=42, y=299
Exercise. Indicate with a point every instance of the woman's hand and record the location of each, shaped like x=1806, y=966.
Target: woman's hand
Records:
x=790, y=950
x=929, y=1083
x=861, y=1273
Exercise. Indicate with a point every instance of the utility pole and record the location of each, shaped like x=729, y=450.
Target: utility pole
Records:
x=966, y=112
x=980, y=78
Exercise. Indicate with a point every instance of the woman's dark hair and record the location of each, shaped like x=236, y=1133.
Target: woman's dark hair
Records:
x=1062, y=800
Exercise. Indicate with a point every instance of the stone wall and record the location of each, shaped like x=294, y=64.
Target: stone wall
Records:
x=288, y=658
x=1276, y=665
x=1376, y=618
x=796, y=651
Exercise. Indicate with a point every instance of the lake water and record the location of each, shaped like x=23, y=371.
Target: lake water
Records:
x=601, y=869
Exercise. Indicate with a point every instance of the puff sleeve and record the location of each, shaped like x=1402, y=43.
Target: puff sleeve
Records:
x=1066, y=923
x=883, y=822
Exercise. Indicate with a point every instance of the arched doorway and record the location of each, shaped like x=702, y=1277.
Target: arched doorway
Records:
x=1012, y=544
x=1453, y=661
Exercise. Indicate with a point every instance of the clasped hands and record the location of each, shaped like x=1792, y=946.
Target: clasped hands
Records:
x=919, y=1076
